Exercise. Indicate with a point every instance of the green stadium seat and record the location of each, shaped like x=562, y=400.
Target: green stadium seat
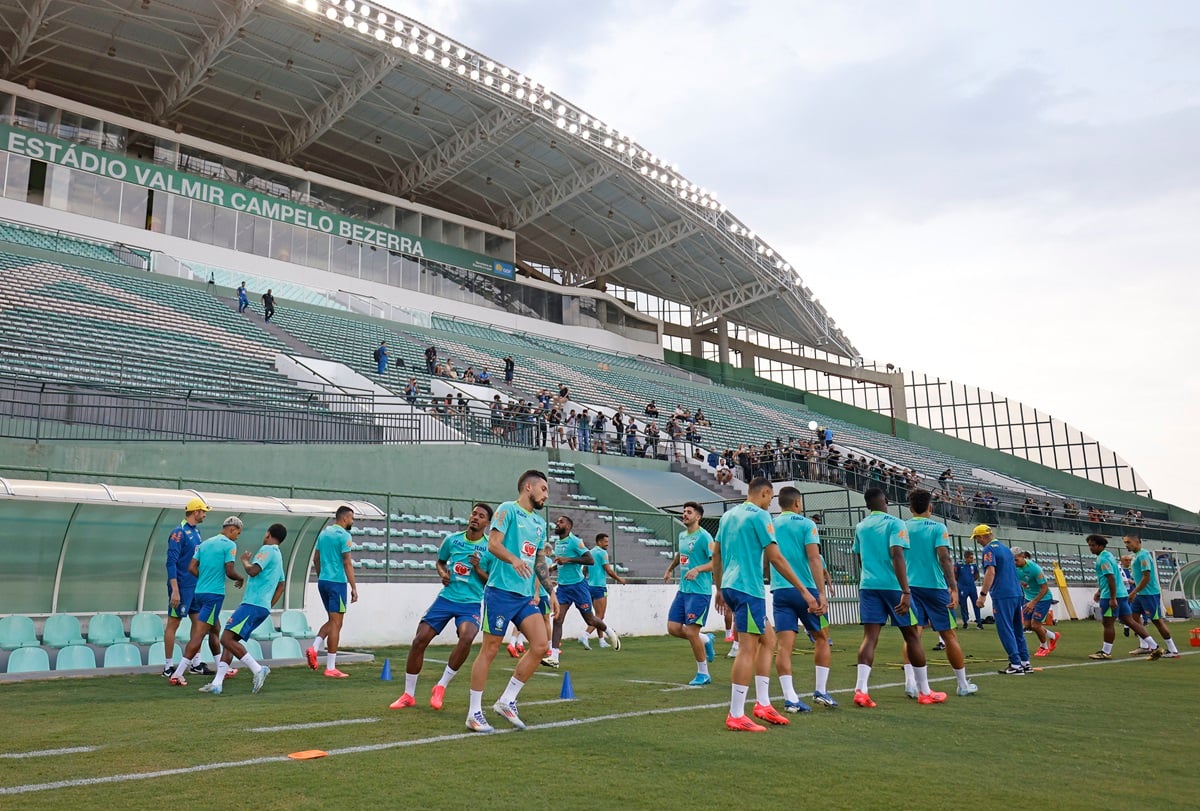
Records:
x=123, y=654
x=106, y=629
x=62, y=630
x=295, y=623
x=285, y=647
x=146, y=629
x=29, y=660
x=253, y=648
x=17, y=632
x=76, y=657
x=155, y=655
x=265, y=630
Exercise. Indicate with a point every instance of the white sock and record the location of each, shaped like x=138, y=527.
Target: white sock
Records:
x=702, y=667
x=762, y=690
x=822, y=679
x=222, y=669
x=1150, y=643
x=183, y=664
x=789, y=690
x=737, y=701
x=330, y=660
x=476, y=703
x=960, y=673
x=1106, y=647
x=512, y=690
x=520, y=638
x=410, y=683
x=251, y=663
x=447, y=676
x=169, y=663
x=922, y=674
x=1144, y=643
x=910, y=678
x=318, y=644
x=864, y=675
x=196, y=661
x=1051, y=635
x=1171, y=646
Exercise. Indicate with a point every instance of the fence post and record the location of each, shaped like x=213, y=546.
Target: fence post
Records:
x=387, y=548
x=37, y=423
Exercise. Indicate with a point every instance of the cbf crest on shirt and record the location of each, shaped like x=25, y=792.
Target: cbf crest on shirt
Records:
x=524, y=534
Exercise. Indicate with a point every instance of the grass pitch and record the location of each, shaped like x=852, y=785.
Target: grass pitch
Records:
x=1076, y=735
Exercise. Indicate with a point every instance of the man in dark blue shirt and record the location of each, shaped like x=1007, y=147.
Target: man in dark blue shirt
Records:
x=967, y=575
x=1001, y=581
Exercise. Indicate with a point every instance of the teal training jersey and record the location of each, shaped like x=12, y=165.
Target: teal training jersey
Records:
x=571, y=546
x=1032, y=578
x=1143, y=562
x=743, y=534
x=332, y=543
x=925, y=537
x=464, y=586
x=261, y=587
x=1106, y=564
x=524, y=533
x=794, y=533
x=695, y=549
x=874, y=538
x=212, y=555
x=596, y=575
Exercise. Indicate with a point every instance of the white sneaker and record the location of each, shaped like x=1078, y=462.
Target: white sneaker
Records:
x=509, y=711
x=476, y=722
x=613, y=640
x=583, y=640
x=551, y=660
x=970, y=690
x=603, y=642
x=733, y=651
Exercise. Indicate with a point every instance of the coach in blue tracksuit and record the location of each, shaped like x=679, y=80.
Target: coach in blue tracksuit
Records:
x=1001, y=582
x=967, y=575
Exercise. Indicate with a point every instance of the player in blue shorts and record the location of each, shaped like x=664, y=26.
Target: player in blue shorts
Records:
x=571, y=555
x=1114, y=601
x=335, y=571
x=745, y=539
x=1145, y=598
x=516, y=542
x=930, y=571
x=267, y=580
x=211, y=565
x=181, y=583
x=880, y=540
x=1036, y=593
x=597, y=577
x=689, y=609
x=801, y=548
x=1000, y=581
x=463, y=577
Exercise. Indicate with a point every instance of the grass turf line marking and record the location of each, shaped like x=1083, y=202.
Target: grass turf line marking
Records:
x=123, y=778
x=314, y=725
x=505, y=669
x=70, y=750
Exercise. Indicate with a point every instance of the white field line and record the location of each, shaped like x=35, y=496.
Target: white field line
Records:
x=314, y=725
x=505, y=669
x=70, y=750
x=352, y=750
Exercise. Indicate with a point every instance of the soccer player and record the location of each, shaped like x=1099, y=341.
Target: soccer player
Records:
x=212, y=563
x=572, y=555
x=181, y=583
x=934, y=593
x=966, y=574
x=267, y=580
x=515, y=541
x=1114, y=601
x=1037, y=600
x=880, y=541
x=1000, y=580
x=689, y=609
x=797, y=538
x=462, y=577
x=597, y=578
x=745, y=537
x=335, y=570
x=1145, y=598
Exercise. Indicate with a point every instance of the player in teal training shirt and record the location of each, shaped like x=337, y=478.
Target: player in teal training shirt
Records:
x=335, y=571
x=597, y=578
x=1113, y=598
x=211, y=564
x=571, y=555
x=689, y=609
x=1035, y=590
x=1145, y=598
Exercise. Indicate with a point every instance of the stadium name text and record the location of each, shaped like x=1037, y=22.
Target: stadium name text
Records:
x=157, y=178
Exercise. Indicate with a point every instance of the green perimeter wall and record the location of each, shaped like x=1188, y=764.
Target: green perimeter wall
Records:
x=988, y=458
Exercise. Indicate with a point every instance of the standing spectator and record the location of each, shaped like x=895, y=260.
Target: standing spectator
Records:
x=381, y=358
x=583, y=427
x=461, y=405
x=541, y=418
x=268, y=302
x=631, y=439
x=543, y=397
x=651, y=433
x=509, y=369
x=430, y=359
x=410, y=391
x=572, y=426
x=598, y=427
x=243, y=298
x=827, y=436
x=497, y=416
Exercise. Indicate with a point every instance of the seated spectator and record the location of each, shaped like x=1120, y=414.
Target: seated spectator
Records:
x=483, y=378
x=410, y=391
x=724, y=474
x=564, y=394
x=461, y=406
x=651, y=410
x=701, y=419
x=469, y=375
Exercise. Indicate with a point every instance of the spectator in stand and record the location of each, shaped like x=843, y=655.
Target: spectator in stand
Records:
x=510, y=368
x=744, y=462
x=651, y=410
x=381, y=358
x=469, y=375
x=554, y=420
x=599, y=425
x=583, y=427
x=243, y=298
x=496, y=410
x=543, y=397
x=571, y=423
x=631, y=438
x=945, y=476
x=724, y=474
x=410, y=391
x=652, y=435
x=483, y=378
x=827, y=437
x=461, y=405
x=766, y=461
x=679, y=412
x=430, y=359
x=701, y=420
x=268, y=302
x=564, y=394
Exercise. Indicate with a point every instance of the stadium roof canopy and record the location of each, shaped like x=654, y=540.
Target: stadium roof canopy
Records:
x=354, y=91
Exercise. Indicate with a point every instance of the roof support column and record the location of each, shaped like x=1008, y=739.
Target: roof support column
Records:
x=723, y=340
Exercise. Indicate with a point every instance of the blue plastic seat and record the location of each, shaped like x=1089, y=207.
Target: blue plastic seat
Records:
x=29, y=660
x=76, y=657
x=17, y=632
x=122, y=654
x=62, y=630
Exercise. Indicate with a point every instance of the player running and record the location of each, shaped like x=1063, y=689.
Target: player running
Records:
x=572, y=555
x=463, y=578
x=1036, y=590
x=1145, y=598
x=335, y=570
x=597, y=578
x=745, y=537
x=801, y=548
x=212, y=563
x=689, y=609
x=266, y=584
x=515, y=541
x=1114, y=601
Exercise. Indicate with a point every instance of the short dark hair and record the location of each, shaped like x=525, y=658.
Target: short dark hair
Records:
x=601, y=536
x=341, y=511
x=918, y=500
x=1099, y=540
x=874, y=494
x=789, y=497
x=278, y=532
x=527, y=475
x=570, y=521
x=695, y=505
x=758, y=483
x=487, y=508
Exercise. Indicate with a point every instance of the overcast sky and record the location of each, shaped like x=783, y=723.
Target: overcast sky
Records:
x=1004, y=194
